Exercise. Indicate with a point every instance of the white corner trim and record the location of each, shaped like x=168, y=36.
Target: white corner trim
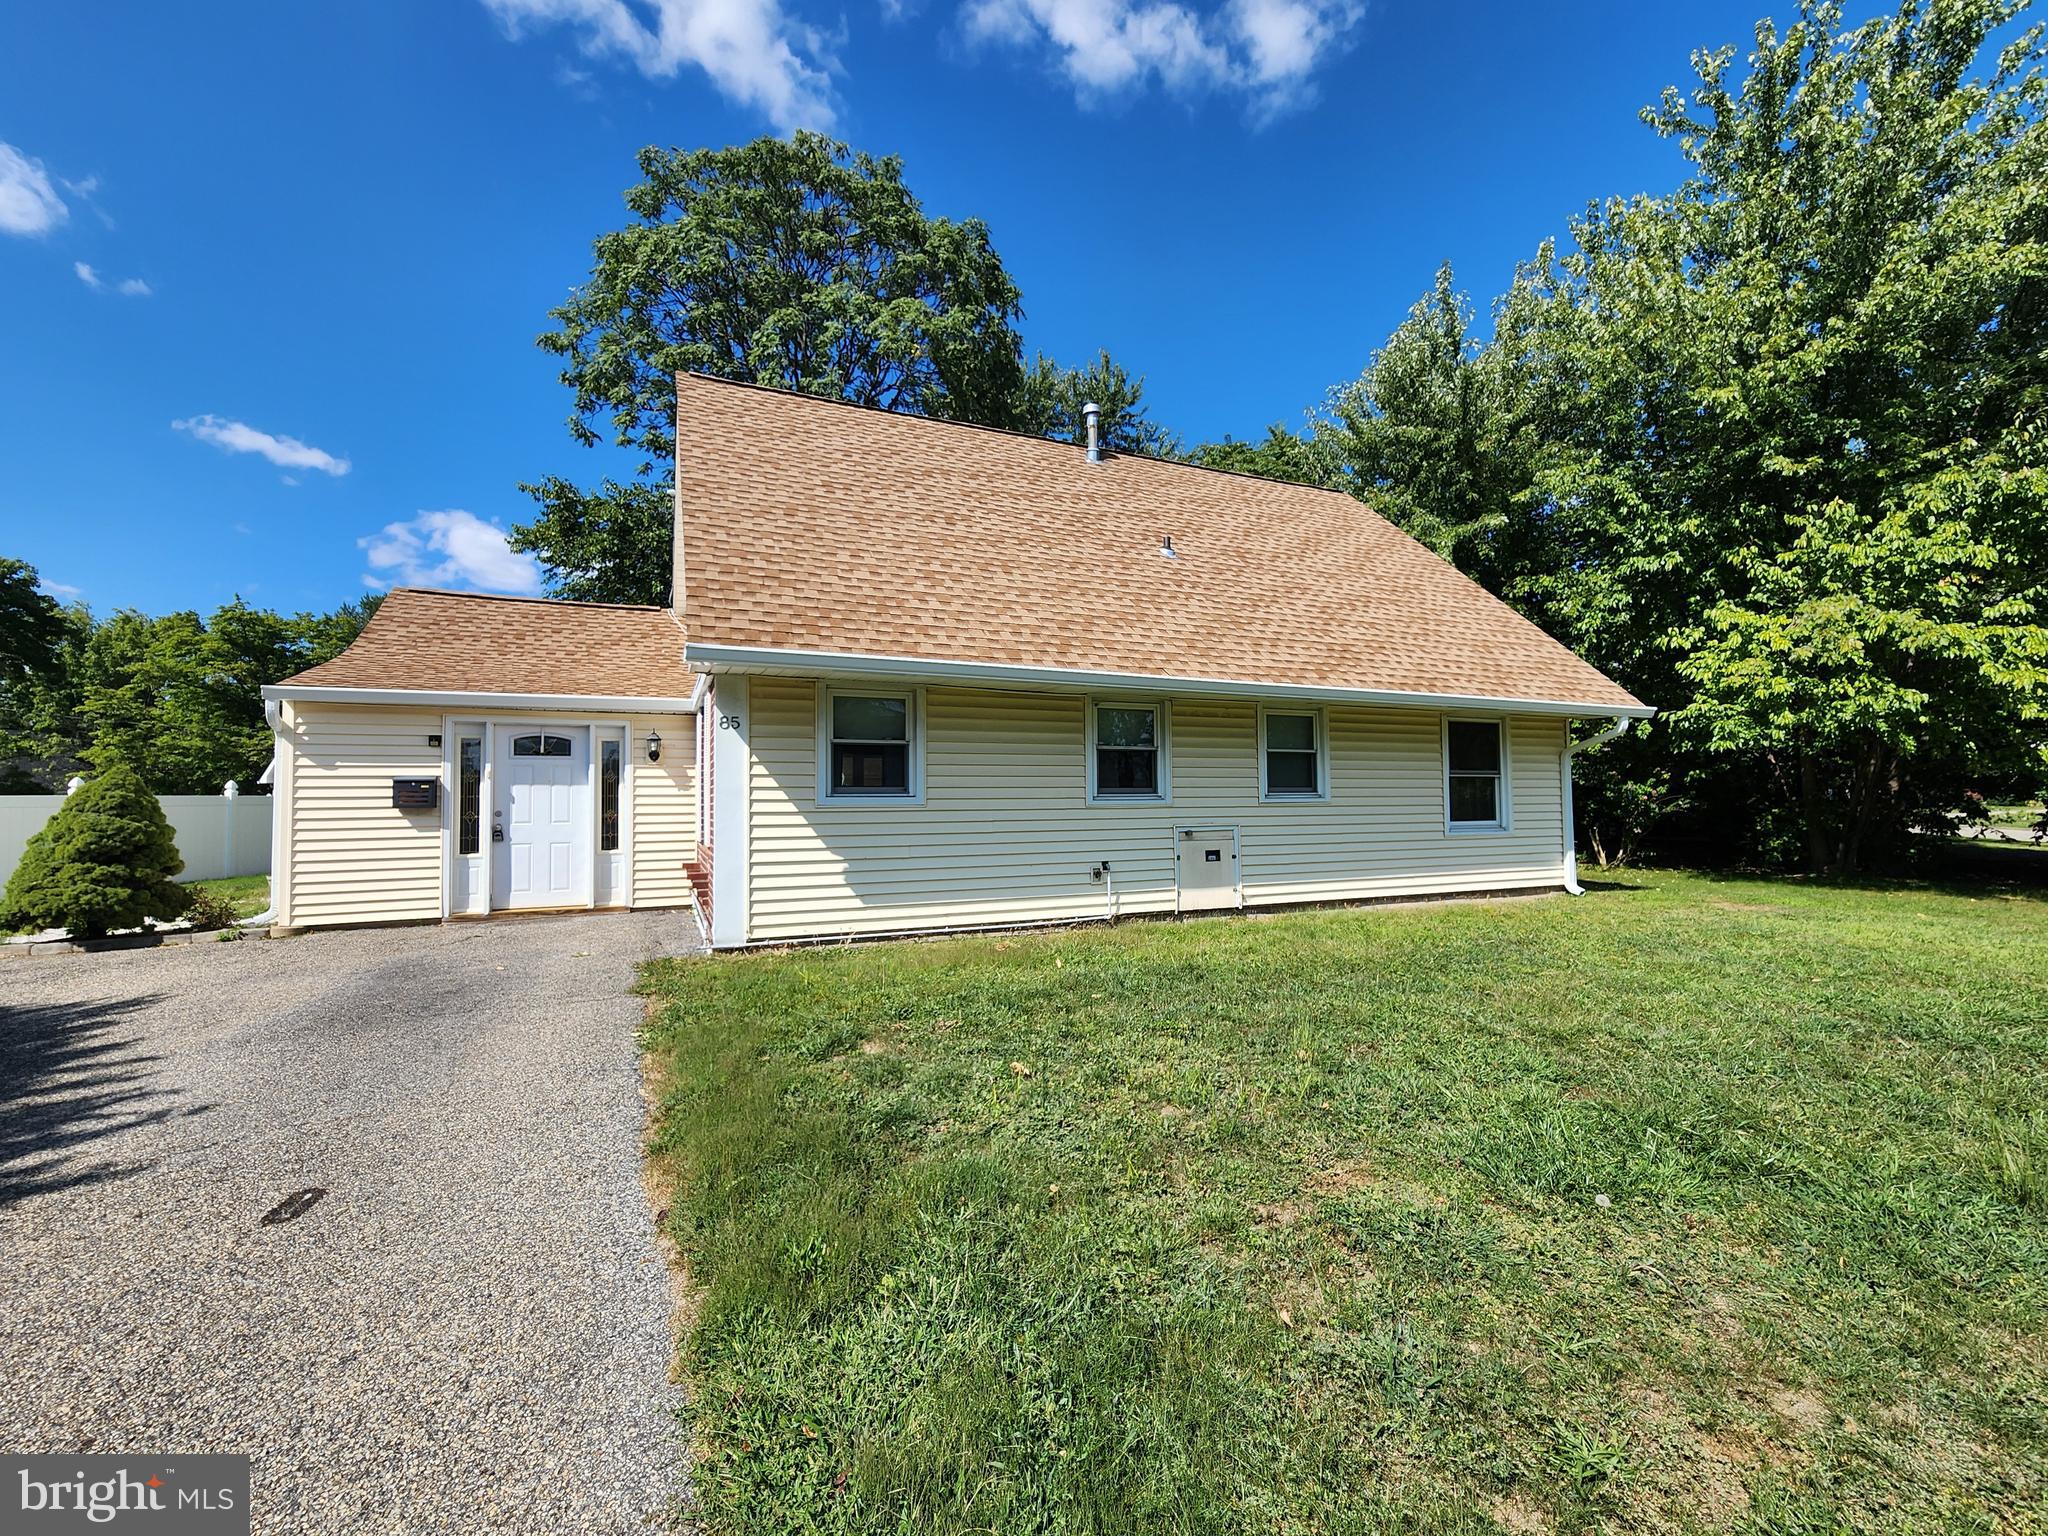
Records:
x=1504, y=799
x=445, y=699
x=795, y=662
x=1162, y=714
x=731, y=767
x=824, y=796
x=1321, y=793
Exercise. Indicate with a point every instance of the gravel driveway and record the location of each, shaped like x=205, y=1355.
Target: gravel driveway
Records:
x=469, y=1329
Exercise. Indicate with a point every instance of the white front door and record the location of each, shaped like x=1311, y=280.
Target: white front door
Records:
x=541, y=822
x=1205, y=864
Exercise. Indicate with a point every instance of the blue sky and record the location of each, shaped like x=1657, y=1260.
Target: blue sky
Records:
x=270, y=274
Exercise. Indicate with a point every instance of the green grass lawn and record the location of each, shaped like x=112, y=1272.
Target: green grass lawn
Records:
x=249, y=893
x=1693, y=1204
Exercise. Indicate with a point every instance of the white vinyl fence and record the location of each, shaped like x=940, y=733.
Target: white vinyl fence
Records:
x=224, y=834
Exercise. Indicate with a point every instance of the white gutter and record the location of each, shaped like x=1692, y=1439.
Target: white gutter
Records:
x=771, y=659
x=1571, y=843
x=697, y=693
x=272, y=715
x=451, y=699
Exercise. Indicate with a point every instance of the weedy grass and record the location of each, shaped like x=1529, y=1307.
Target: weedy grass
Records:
x=1696, y=1204
x=249, y=893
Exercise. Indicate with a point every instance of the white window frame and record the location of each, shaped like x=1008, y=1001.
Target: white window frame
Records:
x=1162, y=716
x=914, y=714
x=1321, y=717
x=1504, y=800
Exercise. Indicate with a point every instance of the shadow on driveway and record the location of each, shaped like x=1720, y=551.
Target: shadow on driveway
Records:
x=70, y=1075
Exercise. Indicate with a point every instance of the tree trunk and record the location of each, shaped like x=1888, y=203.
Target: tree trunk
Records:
x=1820, y=858
x=1877, y=791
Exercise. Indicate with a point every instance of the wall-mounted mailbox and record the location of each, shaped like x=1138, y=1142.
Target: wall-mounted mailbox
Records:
x=415, y=794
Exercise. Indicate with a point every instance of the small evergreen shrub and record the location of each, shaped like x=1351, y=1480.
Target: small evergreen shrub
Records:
x=104, y=861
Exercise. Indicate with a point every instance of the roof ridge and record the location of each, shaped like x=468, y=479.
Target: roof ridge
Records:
x=515, y=597
x=1027, y=437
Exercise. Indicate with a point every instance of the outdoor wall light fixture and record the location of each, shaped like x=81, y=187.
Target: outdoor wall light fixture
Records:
x=654, y=746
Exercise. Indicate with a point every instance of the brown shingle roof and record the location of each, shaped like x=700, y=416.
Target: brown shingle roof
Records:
x=816, y=525
x=468, y=642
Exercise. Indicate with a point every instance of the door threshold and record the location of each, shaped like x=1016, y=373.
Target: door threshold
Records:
x=513, y=912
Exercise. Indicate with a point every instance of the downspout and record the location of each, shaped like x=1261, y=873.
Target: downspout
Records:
x=1571, y=843
x=273, y=712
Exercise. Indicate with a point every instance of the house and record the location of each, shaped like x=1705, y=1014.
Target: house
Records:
x=924, y=676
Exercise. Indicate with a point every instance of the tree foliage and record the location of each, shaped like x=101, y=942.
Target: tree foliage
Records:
x=611, y=545
x=177, y=698
x=106, y=860
x=1798, y=484
x=1769, y=448
x=796, y=263
x=1051, y=399
x=1305, y=459
x=31, y=623
x=1443, y=436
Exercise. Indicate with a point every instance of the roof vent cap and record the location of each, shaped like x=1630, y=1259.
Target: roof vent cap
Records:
x=1091, y=413
x=1166, y=548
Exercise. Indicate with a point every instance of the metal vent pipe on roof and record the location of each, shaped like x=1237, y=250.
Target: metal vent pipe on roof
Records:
x=1092, y=414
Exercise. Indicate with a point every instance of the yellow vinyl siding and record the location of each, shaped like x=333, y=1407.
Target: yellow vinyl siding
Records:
x=1006, y=834
x=664, y=810
x=352, y=857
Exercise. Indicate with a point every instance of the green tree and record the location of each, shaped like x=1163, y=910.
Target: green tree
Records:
x=31, y=623
x=1051, y=399
x=323, y=636
x=612, y=545
x=791, y=262
x=1442, y=435
x=105, y=860
x=33, y=631
x=1280, y=455
x=178, y=698
x=1798, y=487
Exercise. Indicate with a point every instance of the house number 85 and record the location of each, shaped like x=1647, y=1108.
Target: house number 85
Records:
x=728, y=722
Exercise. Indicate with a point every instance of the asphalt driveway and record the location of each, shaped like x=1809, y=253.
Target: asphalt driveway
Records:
x=468, y=1330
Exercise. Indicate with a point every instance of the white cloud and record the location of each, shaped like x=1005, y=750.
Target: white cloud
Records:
x=29, y=205
x=448, y=549
x=60, y=588
x=1266, y=49
x=752, y=51
x=133, y=287
x=240, y=437
x=83, y=191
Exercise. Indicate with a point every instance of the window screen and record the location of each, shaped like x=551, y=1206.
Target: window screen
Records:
x=1126, y=750
x=1293, y=764
x=870, y=744
x=1473, y=763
